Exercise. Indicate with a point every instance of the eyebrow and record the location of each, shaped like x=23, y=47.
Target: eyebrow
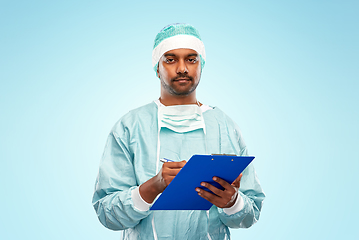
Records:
x=169, y=54
x=174, y=55
x=192, y=54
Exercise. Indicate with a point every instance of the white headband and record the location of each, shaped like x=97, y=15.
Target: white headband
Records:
x=175, y=42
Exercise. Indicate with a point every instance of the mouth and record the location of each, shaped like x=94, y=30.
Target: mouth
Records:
x=182, y=80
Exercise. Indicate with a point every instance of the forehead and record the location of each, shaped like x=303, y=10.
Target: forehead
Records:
x=181, y=52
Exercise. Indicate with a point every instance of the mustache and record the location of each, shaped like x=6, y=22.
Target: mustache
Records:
x=181, y=75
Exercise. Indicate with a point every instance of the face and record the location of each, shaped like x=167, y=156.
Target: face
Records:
x=179, y=71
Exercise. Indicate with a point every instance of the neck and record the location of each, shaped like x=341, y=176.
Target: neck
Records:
x=169, y=100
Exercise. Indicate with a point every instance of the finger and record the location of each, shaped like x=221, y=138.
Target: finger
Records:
x=236, y=182
x=212, y=188
x=174, y=164
x=183, y=162
x=170, y=172
x=212, y=198
x=223, y=183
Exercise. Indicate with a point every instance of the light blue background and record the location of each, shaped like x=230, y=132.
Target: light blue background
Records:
x=285, y=71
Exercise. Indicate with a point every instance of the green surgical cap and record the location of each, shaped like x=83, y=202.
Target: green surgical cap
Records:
x=174, y=36
x=176, y=29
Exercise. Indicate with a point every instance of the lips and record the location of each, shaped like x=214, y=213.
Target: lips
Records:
x=182, y=79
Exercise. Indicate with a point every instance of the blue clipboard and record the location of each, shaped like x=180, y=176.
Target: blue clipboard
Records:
x=180, y=194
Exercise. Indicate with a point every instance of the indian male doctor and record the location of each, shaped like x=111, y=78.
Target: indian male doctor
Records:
x=175, y=126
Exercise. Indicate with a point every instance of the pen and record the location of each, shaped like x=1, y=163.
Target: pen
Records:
x=166, y=160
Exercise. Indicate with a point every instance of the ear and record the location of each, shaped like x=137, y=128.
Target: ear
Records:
x=158, y=72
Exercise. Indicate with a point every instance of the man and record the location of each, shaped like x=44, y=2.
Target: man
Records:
x=175, y=126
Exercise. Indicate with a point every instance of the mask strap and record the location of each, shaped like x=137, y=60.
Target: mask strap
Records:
x=204, y=131
x=158, y=149
x=205, y=139
x=158, y=139
x=209, y=236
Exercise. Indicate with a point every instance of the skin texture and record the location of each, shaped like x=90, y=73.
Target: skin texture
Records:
x=150, y=189
x=221, y=198
x=179, y=71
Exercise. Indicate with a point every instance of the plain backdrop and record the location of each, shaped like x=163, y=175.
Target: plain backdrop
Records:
x=285, y=71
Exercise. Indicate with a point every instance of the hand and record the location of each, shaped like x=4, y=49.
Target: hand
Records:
x=167, y=173
x=154, y=186
x=221, y=198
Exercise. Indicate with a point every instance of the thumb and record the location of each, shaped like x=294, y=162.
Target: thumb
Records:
x=236, y=182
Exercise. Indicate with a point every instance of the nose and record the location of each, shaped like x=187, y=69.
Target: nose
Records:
x=182, y=67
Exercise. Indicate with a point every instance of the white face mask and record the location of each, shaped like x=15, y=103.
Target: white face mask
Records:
x=181, y=118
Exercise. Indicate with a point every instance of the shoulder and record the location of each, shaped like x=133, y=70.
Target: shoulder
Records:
x=143, y=115
x=148, y=110
x=220, y=116
x=226, y=123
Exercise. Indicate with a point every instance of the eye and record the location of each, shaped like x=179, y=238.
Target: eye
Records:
x=192, y=60
x=169, y=60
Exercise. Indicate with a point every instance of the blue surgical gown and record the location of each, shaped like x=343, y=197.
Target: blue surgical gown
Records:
x=129, y=159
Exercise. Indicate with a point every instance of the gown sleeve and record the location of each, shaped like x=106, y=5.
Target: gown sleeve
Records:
x=116, y=179
x=251, y=192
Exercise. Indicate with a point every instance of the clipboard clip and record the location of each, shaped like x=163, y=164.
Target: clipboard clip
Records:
x=222, y=154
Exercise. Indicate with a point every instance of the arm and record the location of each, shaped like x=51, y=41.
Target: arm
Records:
x=250, y=190
x=116, y=190
x=116, y=179
x=156, y=185
x=250, y=193
x=225, y=198
x=253, y=196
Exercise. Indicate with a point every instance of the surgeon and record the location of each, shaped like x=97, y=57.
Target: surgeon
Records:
x=175, y=126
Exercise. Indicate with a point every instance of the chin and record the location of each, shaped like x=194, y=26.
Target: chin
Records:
x=183, y=92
